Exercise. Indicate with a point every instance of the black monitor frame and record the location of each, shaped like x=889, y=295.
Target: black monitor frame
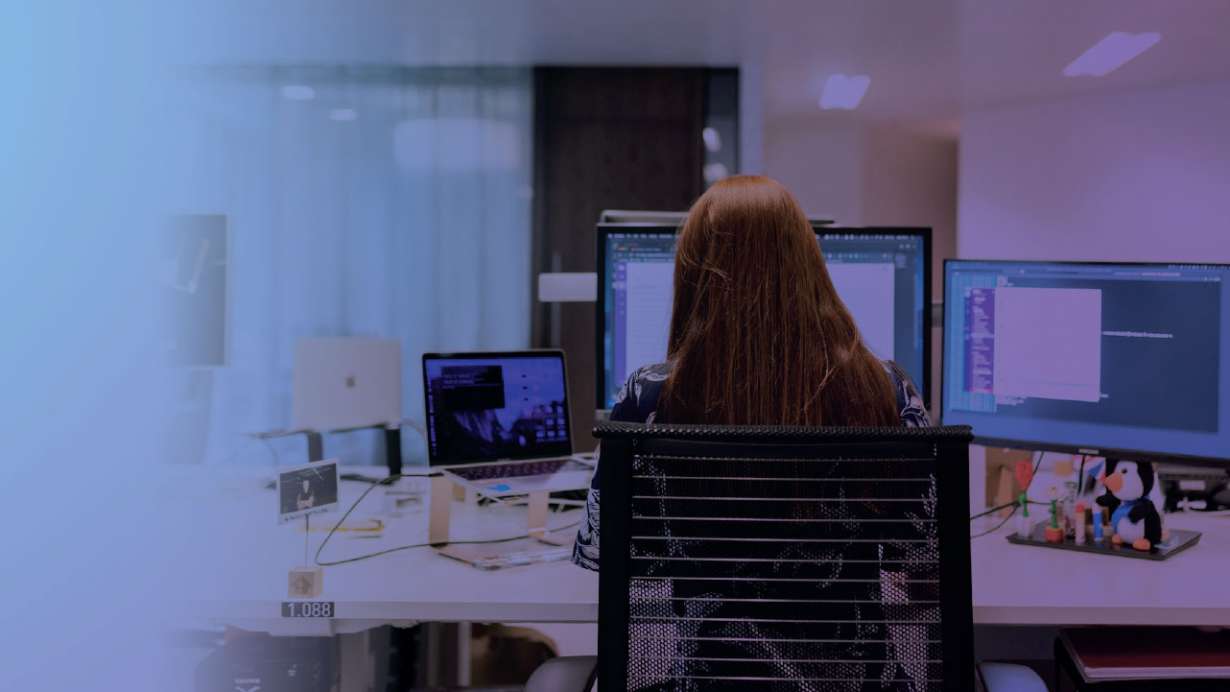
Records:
x=1063, y=448
x=821, y=228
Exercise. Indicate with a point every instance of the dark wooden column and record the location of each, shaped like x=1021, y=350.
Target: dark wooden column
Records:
x=605, y=138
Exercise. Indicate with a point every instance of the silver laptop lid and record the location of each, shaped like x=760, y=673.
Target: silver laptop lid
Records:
x=489, y=406
x=346, y=382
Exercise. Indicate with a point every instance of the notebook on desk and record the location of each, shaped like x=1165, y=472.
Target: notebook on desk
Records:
x=1148, y=653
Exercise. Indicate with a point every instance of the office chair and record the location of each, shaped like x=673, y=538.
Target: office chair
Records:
x=775, y=558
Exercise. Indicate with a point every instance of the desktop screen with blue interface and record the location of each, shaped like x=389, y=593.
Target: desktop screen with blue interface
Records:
x=1122, y=357
x=881, y=277
x=500, y=407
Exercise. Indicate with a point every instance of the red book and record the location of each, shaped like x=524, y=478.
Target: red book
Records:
x=1149, y=653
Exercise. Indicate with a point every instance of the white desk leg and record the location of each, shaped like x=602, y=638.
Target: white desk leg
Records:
x=464, y=634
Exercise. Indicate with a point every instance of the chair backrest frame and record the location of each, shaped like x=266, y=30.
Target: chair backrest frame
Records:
x=622, y=442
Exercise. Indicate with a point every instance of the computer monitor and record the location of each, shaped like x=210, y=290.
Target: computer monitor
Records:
x=1120, y=360
x=484, y=407
x=882, y=274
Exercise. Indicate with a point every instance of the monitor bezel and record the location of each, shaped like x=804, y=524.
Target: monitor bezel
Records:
x=481, y=355
x=1059, y=447
x=821, y=228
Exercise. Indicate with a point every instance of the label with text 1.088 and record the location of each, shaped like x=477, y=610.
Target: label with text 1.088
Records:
x=307, y=609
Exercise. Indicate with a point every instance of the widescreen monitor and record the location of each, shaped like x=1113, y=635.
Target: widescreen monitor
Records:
x=1121, y=360
x=883, y=275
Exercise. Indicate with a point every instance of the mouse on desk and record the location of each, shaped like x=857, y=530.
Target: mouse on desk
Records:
x=1130, y=489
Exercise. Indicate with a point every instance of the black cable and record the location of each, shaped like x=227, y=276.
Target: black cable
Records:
x=1015, y=506
x=998, y=526
x=388, y=481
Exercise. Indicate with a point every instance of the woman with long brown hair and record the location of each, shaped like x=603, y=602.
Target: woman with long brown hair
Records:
x=758, y=334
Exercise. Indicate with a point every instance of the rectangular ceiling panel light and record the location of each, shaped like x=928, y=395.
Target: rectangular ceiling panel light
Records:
x=844, y=92
x=1111, y=53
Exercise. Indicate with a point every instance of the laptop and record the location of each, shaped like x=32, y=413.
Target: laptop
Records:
x=342, y=383
x=497, y=422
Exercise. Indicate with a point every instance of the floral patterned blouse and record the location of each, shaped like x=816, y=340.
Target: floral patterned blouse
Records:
x=637, y=402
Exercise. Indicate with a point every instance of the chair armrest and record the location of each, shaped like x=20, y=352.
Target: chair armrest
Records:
x=1008, y=677
x=563, y=674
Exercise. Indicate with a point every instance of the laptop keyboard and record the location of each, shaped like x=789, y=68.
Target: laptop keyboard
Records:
x=542, y=467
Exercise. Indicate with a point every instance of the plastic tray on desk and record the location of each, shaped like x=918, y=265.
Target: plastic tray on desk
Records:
x=1180, y=540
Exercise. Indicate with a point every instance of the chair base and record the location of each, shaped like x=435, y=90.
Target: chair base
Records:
x=564, y=674
x=1009, y=677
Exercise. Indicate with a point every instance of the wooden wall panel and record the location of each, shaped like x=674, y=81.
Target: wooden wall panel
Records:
x=605, y=138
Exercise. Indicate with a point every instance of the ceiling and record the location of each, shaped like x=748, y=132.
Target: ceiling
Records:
x=928, y=61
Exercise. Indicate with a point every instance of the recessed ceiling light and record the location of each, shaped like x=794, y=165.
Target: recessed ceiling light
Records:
x=844, y=92
x=1111, y=53
x=343, y=115
x=298, y=92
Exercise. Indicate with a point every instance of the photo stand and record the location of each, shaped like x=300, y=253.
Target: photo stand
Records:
x=1179, y=540
x=305, y=581
x=303, y=491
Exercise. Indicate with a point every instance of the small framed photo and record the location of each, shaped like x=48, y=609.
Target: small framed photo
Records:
x=306, y=490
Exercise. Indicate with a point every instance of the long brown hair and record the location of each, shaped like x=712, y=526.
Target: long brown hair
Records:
x=758, y=334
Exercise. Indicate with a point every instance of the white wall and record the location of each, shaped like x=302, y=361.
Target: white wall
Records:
x=1140, y=175
x=821, y=160
x=871, y=175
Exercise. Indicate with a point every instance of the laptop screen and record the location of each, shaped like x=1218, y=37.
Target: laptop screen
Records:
x=491, y=406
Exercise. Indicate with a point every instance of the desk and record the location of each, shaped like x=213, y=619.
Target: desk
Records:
x=1028, y=585
x=244, y=556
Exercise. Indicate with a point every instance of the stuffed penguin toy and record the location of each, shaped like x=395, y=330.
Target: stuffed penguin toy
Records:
x=1130, y=487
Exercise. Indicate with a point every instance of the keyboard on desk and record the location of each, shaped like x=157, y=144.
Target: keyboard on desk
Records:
x=517, y=469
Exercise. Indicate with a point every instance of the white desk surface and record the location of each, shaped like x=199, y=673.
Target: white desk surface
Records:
x=240, y=561
x=1030, y=585
x=242, y=567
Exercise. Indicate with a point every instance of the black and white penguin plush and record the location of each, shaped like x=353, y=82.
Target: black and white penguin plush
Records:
x=1131, y=489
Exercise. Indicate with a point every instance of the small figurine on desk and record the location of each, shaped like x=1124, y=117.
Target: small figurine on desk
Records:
x=1134, y=516
x=1078, y=523
x=1053, y=531
x=1023, y=523
x=1024, y=476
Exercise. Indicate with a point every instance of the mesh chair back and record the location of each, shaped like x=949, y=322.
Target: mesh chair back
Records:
x=751, y=558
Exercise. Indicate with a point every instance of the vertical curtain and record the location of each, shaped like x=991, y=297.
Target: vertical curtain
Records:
x=388, y=202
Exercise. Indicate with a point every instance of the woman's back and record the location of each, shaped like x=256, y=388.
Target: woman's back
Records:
x=758, y=334
x=637, y=402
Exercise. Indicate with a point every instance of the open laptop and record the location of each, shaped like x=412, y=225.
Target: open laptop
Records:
x=498, y=422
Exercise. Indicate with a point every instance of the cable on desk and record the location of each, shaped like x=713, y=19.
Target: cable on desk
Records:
x=1013, y=505
x=386, y=551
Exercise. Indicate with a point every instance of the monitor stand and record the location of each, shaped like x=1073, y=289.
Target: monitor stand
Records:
x=443, y=491
x=538, y=515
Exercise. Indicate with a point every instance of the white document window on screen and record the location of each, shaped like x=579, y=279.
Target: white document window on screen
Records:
x=649, y=295
x=869, y=292
x=1048, y=343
